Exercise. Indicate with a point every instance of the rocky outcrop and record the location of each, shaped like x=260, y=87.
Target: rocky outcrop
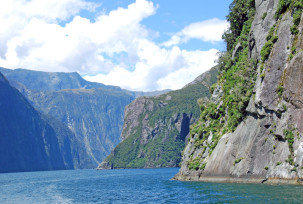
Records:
x=237, y=49
x=156, y=128
x=267, y=144
x=132, y=113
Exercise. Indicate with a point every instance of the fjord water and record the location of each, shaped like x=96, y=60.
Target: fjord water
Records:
x=133, y=186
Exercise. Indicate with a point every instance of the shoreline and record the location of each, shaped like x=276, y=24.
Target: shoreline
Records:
x=226, y=179
x=243, y=180
x=136, y=168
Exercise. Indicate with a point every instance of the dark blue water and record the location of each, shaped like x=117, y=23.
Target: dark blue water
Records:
x=133, y=186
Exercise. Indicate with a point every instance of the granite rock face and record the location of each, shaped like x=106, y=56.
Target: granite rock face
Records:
x=156, y=128
x=267, y=145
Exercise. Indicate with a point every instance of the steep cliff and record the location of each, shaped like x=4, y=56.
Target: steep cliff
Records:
x=31, y=141
x=94, y=112
x=155, y=128
x=94, y=115
x=252, y=129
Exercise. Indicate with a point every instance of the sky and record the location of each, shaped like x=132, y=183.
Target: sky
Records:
x=139, y=45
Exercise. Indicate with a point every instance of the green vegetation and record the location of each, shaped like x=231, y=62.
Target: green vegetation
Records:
x=284, y=107
x=241, y=13
x=280, y=90
x=238, y=160
x=203, y=166
x=296, y=7
x=293, y=50
x=182, y=101
x=289, y=136
x=282, y=7
x=194, y=165
x=266, y=168
x=271, y=38
x=264, y=15
x=261, y=68
x=278, y=163
x=237, y=83
x=160, y=151
x=292, y=53
x=290, y=160
x=162, y=148
x=236, y=79
x=294, y=169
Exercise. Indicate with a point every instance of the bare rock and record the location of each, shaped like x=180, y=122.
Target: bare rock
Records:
x=276, y=64
x=236, y=51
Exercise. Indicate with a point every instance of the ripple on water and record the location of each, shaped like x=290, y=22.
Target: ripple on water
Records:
x=133, y=186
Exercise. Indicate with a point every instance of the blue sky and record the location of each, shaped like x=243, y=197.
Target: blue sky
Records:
x=135, y=44
x=173, y=15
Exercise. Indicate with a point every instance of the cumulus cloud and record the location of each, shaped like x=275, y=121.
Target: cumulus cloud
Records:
x=207, y=31
x=161, y=69
x=114, y=49
x=34, y=39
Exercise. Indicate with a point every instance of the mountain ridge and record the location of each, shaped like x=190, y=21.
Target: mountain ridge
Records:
x=50, y=81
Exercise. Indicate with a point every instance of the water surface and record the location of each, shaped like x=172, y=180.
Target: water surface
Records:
x=133, y=186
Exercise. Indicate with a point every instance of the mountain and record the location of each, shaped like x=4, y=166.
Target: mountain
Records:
x=94, y=115
x=56, y=81
x=31, y=141
x=50, y=81
x=155, y=128
x=92, y=111
x=251, y=130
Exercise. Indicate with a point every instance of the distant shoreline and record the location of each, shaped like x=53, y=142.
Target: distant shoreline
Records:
x=137, y=168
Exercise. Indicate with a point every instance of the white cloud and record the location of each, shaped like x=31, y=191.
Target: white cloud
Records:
x=33, y=38
x=207, y=31
x=114, y=44
x=46, y=9
x=160, y=69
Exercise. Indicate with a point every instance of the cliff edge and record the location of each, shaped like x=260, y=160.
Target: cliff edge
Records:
x=252, y=130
